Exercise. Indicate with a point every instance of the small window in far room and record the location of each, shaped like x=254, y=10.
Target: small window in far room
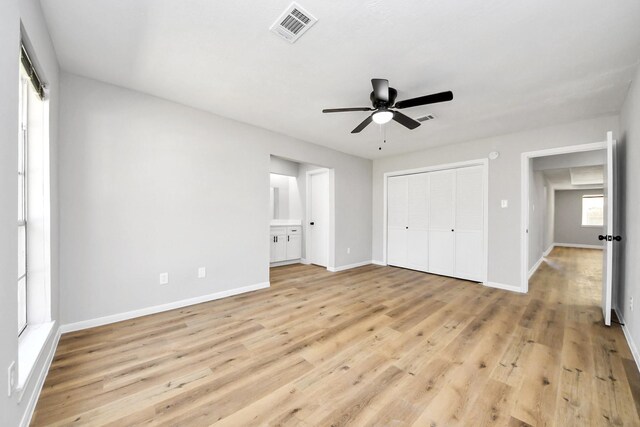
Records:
x=592, y=207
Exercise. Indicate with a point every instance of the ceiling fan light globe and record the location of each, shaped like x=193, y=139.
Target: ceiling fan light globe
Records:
x=382, y=117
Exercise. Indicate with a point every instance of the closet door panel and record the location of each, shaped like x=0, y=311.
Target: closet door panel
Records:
x=418, y=249
x=469, y=223
x=442, y=222
x=397, y=212
x=469, y=255
x=441, y=258
x=397, y=201
x=397, y=247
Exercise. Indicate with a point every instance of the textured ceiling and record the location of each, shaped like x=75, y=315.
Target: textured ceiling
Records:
x=511, y=65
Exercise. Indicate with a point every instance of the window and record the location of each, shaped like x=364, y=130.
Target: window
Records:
x=31, y=133
x=592, y=210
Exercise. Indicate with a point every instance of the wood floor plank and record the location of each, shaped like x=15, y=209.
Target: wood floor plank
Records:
x=374, y=346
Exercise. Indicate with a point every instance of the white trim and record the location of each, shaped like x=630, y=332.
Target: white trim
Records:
x=627, y=334
x=524, y=200
x=577, y=245
x=376, y=262
x=511, y=288
x=456, y=165
x=85, y=324
x=33, y=399
x=287, y=262
x=348, y=266
x=304, y=261
x=535, y=267
x=549, y=249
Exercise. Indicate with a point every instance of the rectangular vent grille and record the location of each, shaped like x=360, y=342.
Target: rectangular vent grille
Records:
x=425, y=118
x=293, y=23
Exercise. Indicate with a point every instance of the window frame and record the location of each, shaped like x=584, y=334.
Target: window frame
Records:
x=582, y=210
x=23, y=189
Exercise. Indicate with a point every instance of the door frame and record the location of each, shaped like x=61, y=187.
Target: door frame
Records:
x=446, y=166
x=331, y=229
x=524, y=201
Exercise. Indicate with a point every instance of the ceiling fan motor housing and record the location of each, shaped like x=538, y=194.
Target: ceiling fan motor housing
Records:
x=378, y=103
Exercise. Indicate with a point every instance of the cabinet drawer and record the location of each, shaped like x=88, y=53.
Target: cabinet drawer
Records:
x=294, y=230
x=278, y=231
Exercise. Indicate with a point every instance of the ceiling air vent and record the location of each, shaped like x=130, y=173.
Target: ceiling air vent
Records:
x=425, y=118
x=293, y=23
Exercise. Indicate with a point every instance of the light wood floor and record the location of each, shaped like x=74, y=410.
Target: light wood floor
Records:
x=370, y=346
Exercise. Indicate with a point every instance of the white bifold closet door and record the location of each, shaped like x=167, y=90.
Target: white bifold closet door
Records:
x=442, y=186
x=469, y=223
x=408, y=221
x=397, y=213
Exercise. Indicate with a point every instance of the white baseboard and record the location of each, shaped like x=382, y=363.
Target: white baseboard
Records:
x=305, y=261
x=348, y=267
x=549, y=249
x=536, y=266
x=375, y=262
x=91, y=323
x=627, y=335
x=288, y=262
x=33, y=399
x=502, y=286
x=577, y=245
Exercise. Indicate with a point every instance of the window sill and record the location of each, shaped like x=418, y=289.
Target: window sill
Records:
x=592, y=226
x=30, y=346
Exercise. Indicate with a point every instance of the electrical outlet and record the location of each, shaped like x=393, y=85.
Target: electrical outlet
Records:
x=164, y=278
x=631, y=303
x=202, y=273
x=348, y=250
x=504, y=203
x=11, y=378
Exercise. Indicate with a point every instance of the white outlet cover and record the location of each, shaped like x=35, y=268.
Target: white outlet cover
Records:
x=504, y=203
x=202, y=273
x=164, y=278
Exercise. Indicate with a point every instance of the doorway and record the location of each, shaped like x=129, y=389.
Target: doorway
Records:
x=568, y=212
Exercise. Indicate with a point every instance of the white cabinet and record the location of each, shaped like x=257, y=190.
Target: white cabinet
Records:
x=286, y=243
x=278, y=244
x=435, y=222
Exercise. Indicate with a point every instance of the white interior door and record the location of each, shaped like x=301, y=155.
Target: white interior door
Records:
x=418, y=222
x=469, y=223
x=610, y=231
x=397, y=216
x=319, y=219
x=442, y=222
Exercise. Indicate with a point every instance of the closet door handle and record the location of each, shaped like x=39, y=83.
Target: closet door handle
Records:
x=452, y=230
x=287, y=238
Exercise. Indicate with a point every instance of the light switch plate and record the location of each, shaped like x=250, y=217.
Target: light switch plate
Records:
x=504, y=203
x=202, y=273
x=164, y=278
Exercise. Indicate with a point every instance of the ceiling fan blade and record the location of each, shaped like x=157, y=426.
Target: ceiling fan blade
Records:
x=424, y=100
x=381, y=89
x=342, y=110
x=362, y=125
x=405, y=121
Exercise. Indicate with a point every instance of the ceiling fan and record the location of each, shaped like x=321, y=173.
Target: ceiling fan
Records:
x=384, y=109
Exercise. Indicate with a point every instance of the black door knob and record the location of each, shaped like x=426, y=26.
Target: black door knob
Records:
x=601, y=237
x=311, y=223
x=406, y=228
x=617, y=238
x=452, y=229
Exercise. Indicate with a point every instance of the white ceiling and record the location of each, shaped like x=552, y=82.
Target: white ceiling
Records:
x=511, y=65
x=584, y=177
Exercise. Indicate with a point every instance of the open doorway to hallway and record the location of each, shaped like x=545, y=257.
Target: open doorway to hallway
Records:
x=566, y=219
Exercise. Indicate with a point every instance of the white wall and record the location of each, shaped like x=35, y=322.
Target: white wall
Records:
x=283, y=166
x=629, y=198
x=568, y=219
x=538, y=190
x=151, y=186
x=504, y=183
x=12, y=13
